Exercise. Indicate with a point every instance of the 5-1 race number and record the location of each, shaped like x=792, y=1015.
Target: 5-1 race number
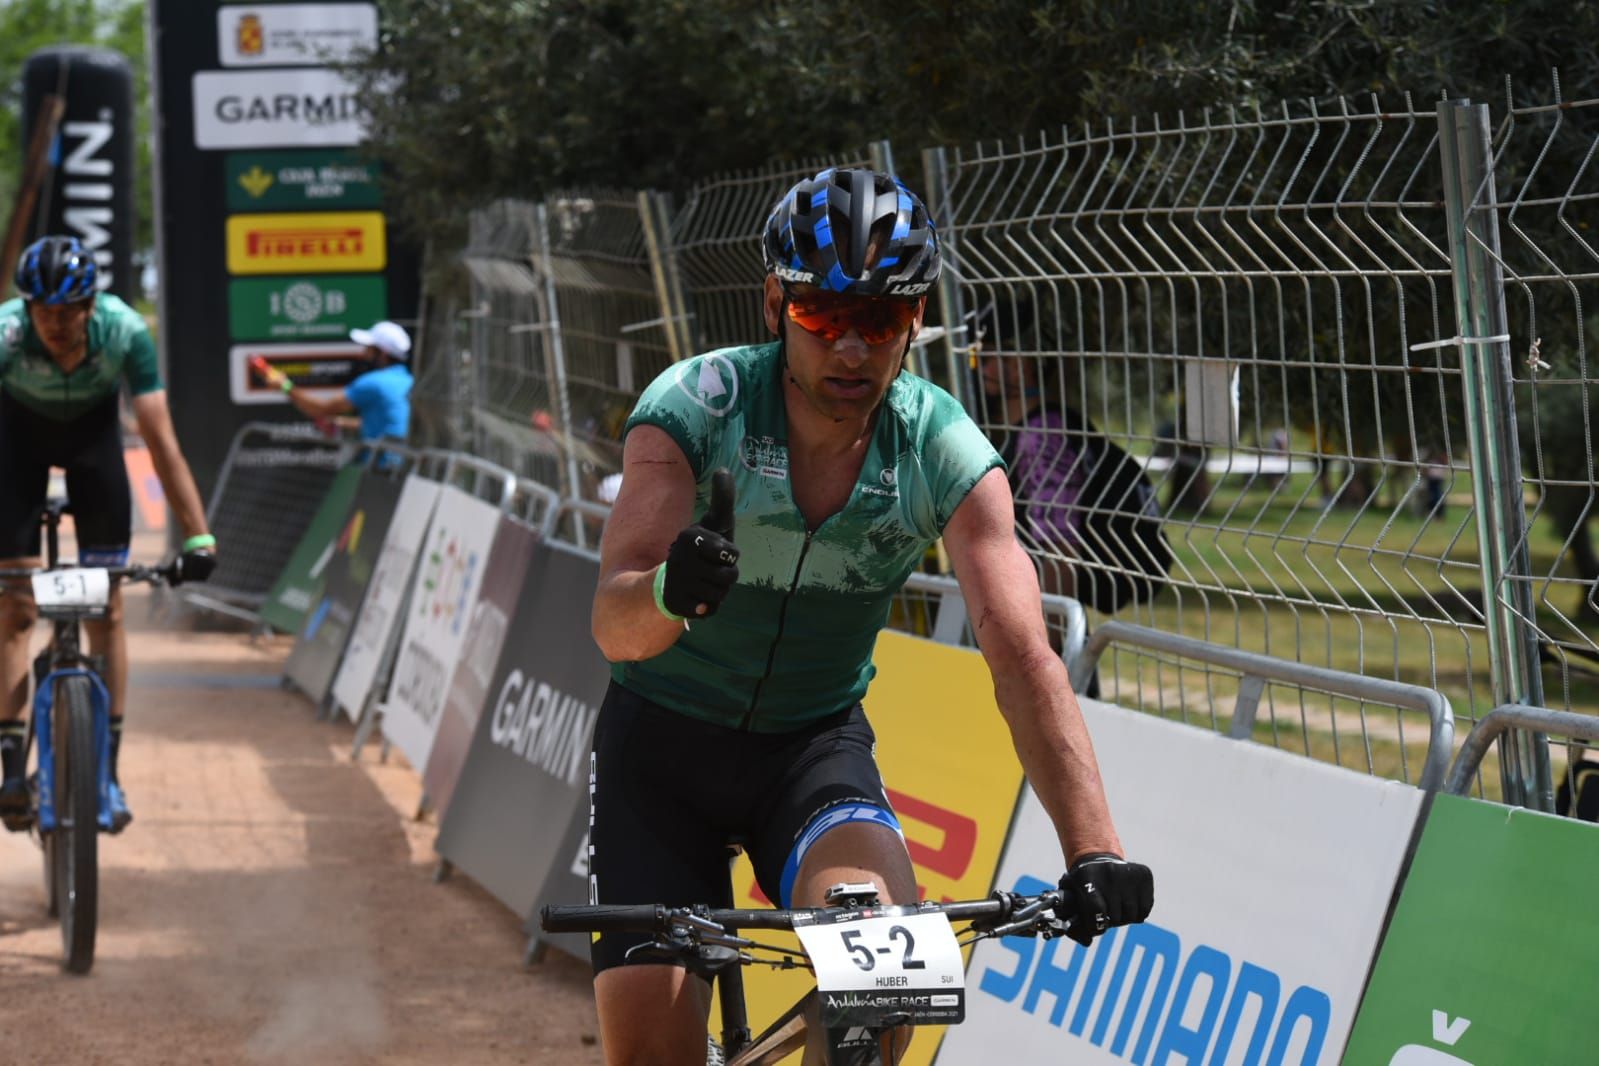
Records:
x=85, y=587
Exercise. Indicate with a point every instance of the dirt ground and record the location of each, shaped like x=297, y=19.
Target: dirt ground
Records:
x=273, y=902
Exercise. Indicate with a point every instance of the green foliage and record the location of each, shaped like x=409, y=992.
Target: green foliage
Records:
x=29, y=25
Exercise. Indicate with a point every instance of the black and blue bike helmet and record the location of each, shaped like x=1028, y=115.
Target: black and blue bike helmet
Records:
x=820, y=233
x=56, y=270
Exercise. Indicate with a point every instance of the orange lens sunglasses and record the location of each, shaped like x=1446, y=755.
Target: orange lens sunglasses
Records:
x=830, y=315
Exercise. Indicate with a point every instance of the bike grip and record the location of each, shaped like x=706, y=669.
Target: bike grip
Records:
x=638, y=918
x=719, y=516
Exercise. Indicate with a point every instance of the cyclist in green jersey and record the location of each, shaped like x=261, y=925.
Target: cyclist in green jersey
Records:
x=65, y=352
x=741, y=641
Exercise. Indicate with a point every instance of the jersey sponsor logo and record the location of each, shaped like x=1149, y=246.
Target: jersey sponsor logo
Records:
x=711, y=382
x=292, y=243
x=547, y=727
x=890, y=487
x=766, y=456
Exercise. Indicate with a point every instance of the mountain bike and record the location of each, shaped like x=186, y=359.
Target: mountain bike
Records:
x=878, y=967
x=71, y=720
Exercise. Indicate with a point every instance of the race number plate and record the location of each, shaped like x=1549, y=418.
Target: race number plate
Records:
x=882, y=965
x=86, y=587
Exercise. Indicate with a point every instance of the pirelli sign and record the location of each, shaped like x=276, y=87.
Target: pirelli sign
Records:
x=298, y=243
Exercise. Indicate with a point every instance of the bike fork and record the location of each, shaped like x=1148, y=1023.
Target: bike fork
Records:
x=100, y=703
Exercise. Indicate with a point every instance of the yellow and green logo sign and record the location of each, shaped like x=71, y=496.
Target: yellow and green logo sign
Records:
x=301, y=181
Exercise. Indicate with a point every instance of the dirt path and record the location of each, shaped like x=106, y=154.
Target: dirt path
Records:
x=273, y=902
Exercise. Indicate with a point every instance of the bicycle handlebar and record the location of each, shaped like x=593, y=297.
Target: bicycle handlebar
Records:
x=992, y=914
x=152, y=574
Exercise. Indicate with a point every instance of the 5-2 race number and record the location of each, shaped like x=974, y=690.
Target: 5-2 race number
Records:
x=866, y=957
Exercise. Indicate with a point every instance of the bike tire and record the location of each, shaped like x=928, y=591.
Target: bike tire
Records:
x=77, y=835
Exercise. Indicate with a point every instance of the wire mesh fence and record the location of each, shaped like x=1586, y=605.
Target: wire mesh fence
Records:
x=1244, y=367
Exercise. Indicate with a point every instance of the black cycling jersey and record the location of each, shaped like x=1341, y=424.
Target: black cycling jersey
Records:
x=89, y=449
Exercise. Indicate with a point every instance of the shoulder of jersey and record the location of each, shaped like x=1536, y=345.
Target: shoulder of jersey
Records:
x=11, y=313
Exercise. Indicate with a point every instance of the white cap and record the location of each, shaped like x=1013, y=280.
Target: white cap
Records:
x=387, y=337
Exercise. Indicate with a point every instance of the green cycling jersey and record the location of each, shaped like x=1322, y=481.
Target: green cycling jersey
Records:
x=120, y=349
x=793, y=640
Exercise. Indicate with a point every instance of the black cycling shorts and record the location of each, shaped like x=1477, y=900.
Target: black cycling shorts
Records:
x=670, y=793
x=89, y=449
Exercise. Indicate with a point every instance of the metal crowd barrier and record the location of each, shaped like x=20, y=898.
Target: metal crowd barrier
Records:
x=270, y=484
x=1491, y=726
x=1256, y=670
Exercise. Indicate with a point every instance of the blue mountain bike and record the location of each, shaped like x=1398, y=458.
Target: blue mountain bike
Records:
x=71, y=721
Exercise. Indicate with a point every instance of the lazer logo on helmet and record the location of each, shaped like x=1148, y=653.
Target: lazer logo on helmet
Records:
x=786, y=273
x=910, y=290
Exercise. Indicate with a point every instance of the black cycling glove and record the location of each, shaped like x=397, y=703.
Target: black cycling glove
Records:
x=1106, y=890
x=703, y=561
x=195, y=565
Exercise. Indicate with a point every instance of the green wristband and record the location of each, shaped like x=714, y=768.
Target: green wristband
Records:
x=660, y=597
x=288, y=386
x=198, y=541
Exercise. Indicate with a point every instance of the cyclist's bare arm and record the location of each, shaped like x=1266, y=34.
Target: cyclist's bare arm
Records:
x=155, y=426
x=316, y=407
x=655, y=502
x=1030, y=684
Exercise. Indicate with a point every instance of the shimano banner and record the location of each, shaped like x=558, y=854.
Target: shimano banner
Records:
x=1273, y=874
x=354, y=553
x=510, y=824
x=485, y=637
x=89, y=194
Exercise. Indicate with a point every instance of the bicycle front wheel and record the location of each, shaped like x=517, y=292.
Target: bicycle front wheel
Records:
x=77, y=835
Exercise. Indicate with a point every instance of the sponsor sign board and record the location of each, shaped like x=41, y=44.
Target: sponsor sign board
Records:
x=513, y=821
x=300, y=584
x=1490, y=957
x=315, y=656
x=324, y=368
x=449, y=576
x=375, y=624
x=305, y=181
x=301, y=241
x=1212, y=977
x=305, y=308
x=281, y=35
x=485, y=637
x=952, y=778
x=276, y=109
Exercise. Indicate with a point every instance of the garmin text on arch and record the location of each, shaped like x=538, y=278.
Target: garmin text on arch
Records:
x=280, y=107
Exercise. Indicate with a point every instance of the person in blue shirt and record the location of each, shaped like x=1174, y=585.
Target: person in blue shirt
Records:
x=380, y=396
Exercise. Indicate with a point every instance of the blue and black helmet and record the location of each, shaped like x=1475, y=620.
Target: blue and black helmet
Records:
x=56, y=270
x=822, y=230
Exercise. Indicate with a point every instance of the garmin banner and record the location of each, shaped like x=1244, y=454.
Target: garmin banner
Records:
x=327, y=627
x=1491, y=956
x=449, y=575
x=89, y=194
x=1273, y=875
x=485, y=637
x=375, y=625
x=270, y=220
x=512, y=822
x=300, y=583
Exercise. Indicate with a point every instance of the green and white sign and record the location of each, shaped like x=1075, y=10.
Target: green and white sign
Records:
x=300, y=181
x=1493, y=954
x=300, y=584
x=323, y=307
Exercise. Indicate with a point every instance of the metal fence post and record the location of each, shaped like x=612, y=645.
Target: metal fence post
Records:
x=1474, y=252
x=557, y=350
x=655, y=217
x=957, y=345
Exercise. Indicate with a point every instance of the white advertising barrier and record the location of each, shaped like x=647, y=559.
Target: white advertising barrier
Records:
x=375, y=625
x=449, y=576
x=1272, y=877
